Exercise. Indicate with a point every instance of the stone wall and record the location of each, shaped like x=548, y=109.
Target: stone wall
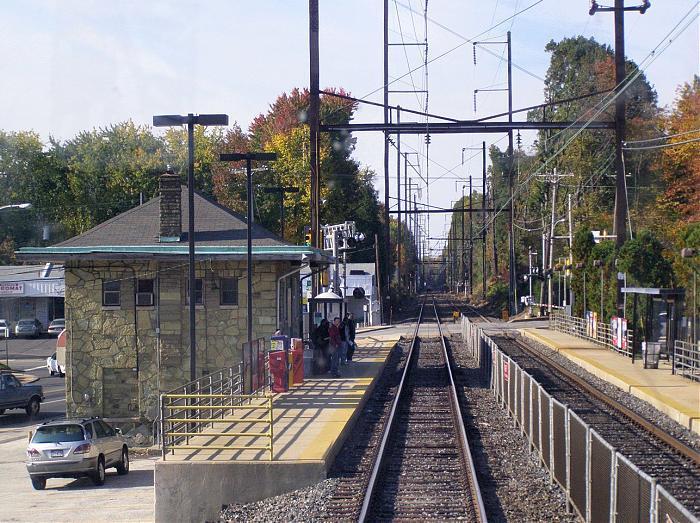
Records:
x=120, y=358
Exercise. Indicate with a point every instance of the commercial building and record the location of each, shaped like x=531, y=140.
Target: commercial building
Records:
x=32, y=291
x=127, y=299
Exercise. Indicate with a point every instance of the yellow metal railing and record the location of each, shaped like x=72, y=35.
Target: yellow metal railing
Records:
x=186, y=415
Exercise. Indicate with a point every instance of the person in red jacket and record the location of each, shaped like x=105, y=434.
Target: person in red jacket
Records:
x=334, y=348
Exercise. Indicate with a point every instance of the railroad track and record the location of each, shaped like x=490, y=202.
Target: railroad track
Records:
x=423, y=468
x=672, y=463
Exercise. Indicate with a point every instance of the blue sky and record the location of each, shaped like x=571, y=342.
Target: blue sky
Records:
x=71, y=65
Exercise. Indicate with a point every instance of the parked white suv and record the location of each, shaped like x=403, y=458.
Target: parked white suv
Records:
x=5, y=329
x=73, y=448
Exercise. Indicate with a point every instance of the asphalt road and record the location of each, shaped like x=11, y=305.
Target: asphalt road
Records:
x=121, y=498
x=29, y=355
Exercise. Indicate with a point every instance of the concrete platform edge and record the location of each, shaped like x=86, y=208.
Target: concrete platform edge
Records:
x=690, y=422
x=332, y=452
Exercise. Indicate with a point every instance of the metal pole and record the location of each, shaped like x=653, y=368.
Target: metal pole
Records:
x=471, y=240
x=398, y=197
x=387, y=228
x=511, y=229
x=190, y=241
x=601, y=292
x=461, y=264
x=483, y=221
x=249, y=253
x=314, y=104
x=620, y=194
x=551, y=240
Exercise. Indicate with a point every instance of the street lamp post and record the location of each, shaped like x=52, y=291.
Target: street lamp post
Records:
x=249, y=158
x=176, y=120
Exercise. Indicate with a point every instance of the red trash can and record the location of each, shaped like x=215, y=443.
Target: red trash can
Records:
x=298, y=360
x=278, y=370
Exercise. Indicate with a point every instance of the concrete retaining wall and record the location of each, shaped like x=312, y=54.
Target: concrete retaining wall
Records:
x=196, y=490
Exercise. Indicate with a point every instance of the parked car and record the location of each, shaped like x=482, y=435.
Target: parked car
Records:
x=54, y=366
x=14, y=395
x=56, y=326
x=28, y=327
x=5, y=329
x=73, y=448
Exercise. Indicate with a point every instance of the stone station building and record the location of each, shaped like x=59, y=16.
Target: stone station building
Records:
x=127, y=300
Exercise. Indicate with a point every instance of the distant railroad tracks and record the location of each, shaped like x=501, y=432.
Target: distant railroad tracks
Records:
x=672, y=463
x=423, y=468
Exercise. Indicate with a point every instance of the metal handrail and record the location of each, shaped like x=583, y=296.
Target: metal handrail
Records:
x=686, y=359
x=578, y=327
x=176, y=429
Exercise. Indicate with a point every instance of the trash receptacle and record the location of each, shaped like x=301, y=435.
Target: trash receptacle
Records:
x=278, y=370
x=651, y=351
x=297, y=361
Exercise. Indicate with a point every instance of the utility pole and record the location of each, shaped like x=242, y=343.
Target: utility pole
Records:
x=471, y=240
x=620, y=218
x=483, y=221
x=387, y=228
x=398, y=198
x=314, y=123
x=461, y=264
x=551, y=241
x=511, y=230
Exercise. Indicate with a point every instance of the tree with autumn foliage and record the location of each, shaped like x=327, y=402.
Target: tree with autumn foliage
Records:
x=347, y=191
x=679, y=160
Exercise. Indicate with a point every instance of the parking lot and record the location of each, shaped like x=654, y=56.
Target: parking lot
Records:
x=121, y=498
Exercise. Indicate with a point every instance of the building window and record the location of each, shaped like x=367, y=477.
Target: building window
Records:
x=111, y=293
x=144, y=293
x=228, y=291
x=198, y=294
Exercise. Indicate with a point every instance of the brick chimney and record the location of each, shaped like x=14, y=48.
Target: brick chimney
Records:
x=170, y=207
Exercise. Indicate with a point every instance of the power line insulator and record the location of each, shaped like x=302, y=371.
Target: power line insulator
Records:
x=427, y=139
x=474, y=52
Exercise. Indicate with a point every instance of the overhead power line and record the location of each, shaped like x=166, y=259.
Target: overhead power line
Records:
x=661, y=146
x=664, y=137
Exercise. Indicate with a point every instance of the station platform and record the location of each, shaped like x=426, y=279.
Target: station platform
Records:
x=311, y=423
x=677, y=397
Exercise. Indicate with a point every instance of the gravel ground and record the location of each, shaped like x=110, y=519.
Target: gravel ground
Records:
x=640, y=406
x=514, y=487
x=301, y=505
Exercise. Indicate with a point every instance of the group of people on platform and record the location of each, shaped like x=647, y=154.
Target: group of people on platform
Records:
x=334, y=344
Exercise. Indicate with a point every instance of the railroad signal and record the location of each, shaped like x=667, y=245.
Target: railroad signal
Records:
x=307, y=235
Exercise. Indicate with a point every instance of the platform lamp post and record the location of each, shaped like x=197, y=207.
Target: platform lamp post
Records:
x=249, y=158
x=176, y=120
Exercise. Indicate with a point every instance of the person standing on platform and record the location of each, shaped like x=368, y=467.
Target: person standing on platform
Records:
x=350, y=330
x=335, y=347
x=320, y=341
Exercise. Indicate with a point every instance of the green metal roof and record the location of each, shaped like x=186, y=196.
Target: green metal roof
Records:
x=133, y=251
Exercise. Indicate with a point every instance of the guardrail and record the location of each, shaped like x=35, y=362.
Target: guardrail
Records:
x=188, y=411
x=686, y=359
x=600, y=483
x=579, y=327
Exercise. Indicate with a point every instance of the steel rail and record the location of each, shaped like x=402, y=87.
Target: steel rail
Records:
x=457, y=415
x=675, y=444
x=387, y=429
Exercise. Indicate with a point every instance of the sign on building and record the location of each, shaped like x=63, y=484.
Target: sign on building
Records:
x=11, y=288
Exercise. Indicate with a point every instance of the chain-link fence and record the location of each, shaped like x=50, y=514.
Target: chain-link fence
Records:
x=600, y=483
